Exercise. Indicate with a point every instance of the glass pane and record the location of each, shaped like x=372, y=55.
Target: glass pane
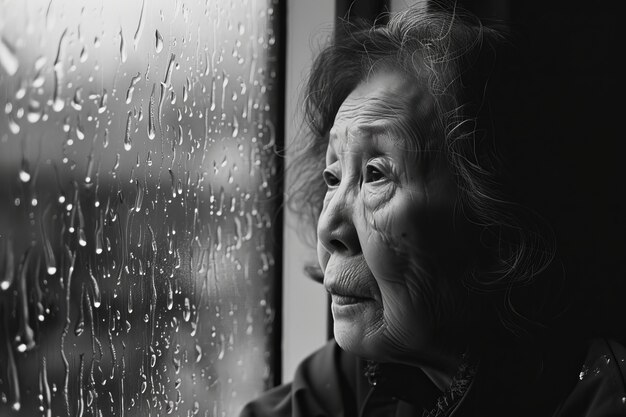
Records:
x=138, y=193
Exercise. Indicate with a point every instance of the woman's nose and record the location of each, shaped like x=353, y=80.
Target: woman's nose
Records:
x=336, y=227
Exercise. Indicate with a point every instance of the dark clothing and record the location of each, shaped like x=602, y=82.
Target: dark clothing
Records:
x=564, y=382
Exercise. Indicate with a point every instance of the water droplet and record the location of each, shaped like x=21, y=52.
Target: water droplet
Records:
x=34, y=111
x=218, y=238
x=131, y=87
x=21, y=92
x=66, y=124
x=24, y=175
x=139, y=25
x=8, y=57
x=25, y=337
x=225, y=81
x=198, y=353
x=159, y=41
x=127, y=139
x=57, y=101
x=187, y=310
x=89, y=173
x=80, y=131
x=102, y=106
x=235, y=125
x=98, y=237
x=48, y=253
x=170, y=296
x=80, y=327
x=168, y=72
x=9, y=265
x=129, y=307
x=13, y=126
x=139, y=197
x=82, y=240
x=39, y=79
x=97, y=298
x=122, y=48
x=173, y=180
x=180, y=135
x=222, y=346
x=151, y=131
x=45, y=388
x=77, y=100
x=212, y=105
x=13, y=378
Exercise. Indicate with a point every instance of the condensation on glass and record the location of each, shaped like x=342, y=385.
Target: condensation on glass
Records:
x=138, y=191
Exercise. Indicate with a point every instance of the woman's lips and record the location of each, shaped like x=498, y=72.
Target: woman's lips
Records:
x=348, y=291
x=348, y=280
x=346, y=295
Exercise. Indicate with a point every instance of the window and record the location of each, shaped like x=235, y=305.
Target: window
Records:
x=139, y=195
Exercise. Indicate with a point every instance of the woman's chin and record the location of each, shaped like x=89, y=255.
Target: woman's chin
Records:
x=353, y=325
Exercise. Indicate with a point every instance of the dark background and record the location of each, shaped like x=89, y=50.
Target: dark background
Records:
x=565, y=143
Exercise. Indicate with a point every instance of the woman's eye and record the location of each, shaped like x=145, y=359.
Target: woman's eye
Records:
x=373, y=174
x=330, y=179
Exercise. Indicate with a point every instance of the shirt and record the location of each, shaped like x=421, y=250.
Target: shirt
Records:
x=586, y=380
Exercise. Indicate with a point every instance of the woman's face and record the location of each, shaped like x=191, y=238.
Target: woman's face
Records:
x=386, y=238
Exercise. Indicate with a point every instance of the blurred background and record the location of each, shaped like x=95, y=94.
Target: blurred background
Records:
x=140, y=190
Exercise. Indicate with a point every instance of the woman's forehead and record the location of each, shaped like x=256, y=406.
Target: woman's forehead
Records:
x=381, y=96
x=386, y=104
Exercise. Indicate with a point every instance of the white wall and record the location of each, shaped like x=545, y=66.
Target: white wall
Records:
x=309, y=24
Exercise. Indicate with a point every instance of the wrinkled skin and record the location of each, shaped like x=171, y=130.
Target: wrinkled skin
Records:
x=386, y=230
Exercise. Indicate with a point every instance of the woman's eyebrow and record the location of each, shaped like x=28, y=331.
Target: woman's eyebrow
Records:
x=388, y=129
x=376, y=128
x=393, y=130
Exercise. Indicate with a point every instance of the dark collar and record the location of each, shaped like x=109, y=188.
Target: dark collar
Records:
x=522, y=380
x=410, y=385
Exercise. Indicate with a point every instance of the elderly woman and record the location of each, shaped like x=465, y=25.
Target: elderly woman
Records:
x=435, y=278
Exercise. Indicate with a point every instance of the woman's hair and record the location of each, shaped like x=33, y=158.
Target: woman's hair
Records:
x=459, y=62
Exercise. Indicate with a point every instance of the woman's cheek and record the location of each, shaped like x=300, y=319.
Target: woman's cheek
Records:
x=322, y=253
x=393, y=218
x=377, y=213
x=376, y=197
x=386, y=256
x=390, y=239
